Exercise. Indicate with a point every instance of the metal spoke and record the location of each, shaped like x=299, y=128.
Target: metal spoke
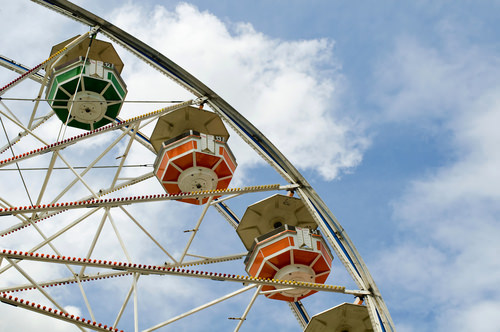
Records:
x=136, y=303
x=34, y=283
x=12, y=117
x=46, y=213
x=164, y=270
x=53, y=313
x=63, y=281
x=77, y=175
x=37, y=102
x=127, y=298
x=72, y=140
x=57, y=234
x=114, y=202
x=26, y=132
x=209, y=260
x=87, y=304
x=92, y=164
x=247, y=310
x=94, y=240
x=46, y=180
x=125, y=154
x=52, y=60
x=195, y=229
x=20, y=125
x=206, y=305
x=118, y=236
x=148, y=234
x=51, y=245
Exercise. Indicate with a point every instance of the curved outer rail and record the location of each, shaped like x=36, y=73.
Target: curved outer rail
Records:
x=334, y=232
x=19, y=68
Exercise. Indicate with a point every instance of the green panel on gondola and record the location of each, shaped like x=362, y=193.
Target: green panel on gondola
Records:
x=62, y=99
x=91, y=87
x=62, y=114
x=78, y=124
x=116, y=84
x=113, y=110
x=61, y=78
x=66, y=75
x=93, y=84
x=101, y=123
x=111, y=94
x=70, y=86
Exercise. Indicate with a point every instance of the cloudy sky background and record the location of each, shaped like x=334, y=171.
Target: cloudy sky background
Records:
x=390, y=110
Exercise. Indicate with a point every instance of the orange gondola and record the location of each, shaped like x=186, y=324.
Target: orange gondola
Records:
x=192, y=153
x=290, y=253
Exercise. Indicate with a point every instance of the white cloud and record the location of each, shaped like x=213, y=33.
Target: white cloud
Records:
x=280, y=86
x=30, y=321
x=443, y=265
x=481, y=316
x=418, y=82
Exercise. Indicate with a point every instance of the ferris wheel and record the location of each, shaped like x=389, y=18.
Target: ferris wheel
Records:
x=134, y=215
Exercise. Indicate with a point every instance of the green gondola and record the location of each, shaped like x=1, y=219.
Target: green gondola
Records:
x=87, y=92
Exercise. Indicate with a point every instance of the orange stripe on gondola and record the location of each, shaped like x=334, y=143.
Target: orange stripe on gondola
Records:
x=223, y=184
x=277, y=252
x=267, y=271
x=275, y=247
x=325, y=253
x=171, y=174
x=206, y=160
x=174, y=152
x=163, y=165
x=304, y=257
x=228, y=159
x=185, y=161
x=281, y=259
x=257, y=262
x=223, y=170
x=192, y=200
x=321, y=266
x=322, y=279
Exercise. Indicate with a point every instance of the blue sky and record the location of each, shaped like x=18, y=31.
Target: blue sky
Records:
x=389, y=109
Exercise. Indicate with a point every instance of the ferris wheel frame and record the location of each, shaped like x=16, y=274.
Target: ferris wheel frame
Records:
x=334, y=233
